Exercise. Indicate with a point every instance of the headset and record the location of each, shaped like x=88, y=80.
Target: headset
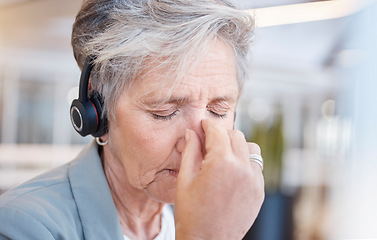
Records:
x=86, y=111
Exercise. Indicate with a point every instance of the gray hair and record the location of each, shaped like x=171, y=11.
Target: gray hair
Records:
x=127, y=37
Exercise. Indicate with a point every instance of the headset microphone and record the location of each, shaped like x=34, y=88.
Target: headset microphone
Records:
x=86, y=111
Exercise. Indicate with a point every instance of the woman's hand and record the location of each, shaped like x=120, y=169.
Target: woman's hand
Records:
x=219, y=195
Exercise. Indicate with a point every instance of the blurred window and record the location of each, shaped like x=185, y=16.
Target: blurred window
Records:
x=35, y=108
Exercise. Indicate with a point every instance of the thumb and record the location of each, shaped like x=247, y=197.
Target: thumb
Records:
x=191, y=157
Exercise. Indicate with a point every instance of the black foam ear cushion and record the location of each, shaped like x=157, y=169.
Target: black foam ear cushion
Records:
x=97, y=101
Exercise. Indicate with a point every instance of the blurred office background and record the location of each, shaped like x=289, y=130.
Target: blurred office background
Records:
x=310, y=103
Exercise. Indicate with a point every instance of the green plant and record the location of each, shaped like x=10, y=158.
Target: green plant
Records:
x=270, y=138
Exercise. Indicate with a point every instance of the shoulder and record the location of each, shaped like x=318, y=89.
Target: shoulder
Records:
x=12, y=218
x=48, y=187
x=43, y=206
x=69, y=202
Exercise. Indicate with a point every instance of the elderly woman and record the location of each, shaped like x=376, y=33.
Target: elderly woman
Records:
x=159, y=87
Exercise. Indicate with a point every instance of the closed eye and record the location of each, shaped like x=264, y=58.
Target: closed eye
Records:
x=217, y=115
x=161, y=116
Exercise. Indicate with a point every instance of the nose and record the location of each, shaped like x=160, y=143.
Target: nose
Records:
x=193, y=122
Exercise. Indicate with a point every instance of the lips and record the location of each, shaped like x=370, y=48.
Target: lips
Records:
x=173, y=172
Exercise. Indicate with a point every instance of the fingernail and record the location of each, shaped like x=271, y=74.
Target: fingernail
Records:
x=187, y=134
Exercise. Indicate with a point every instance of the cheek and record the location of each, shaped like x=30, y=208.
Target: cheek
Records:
x=145, y=150
x=149, y=140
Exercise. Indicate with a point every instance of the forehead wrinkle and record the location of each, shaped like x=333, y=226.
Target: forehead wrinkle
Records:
x=213, y=70
x=160, y=87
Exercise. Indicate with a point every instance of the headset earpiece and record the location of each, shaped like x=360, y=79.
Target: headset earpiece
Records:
x=86, y=111
x=97, y=101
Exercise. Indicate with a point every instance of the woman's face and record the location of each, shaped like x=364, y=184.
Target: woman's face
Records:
x=147, y=136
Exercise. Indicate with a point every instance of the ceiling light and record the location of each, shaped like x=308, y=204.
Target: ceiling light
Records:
x=306, y=12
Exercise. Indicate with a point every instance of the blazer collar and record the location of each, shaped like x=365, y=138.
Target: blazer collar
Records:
x=92, y=195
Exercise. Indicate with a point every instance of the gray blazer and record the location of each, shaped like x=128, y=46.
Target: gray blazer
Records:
x=69, y=202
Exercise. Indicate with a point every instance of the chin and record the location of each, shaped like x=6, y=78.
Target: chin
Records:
x=163, y=188
x=164, y=196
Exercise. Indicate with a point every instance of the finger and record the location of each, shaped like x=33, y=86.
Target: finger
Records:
x=216, y=137
x=239, y=145
x=191, y=157
x=255, y=149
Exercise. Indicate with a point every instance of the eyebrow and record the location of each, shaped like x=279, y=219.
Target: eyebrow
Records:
x=167, y=100
x=225, y=99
